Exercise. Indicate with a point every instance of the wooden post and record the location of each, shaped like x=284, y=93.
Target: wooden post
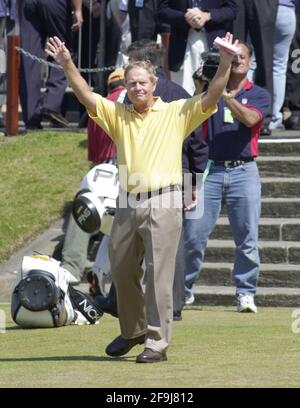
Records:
x=12, y=81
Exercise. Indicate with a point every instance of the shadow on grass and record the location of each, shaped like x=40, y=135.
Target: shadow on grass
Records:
x=14, y=328
x=83, y=144
x=66, y=212
x=68, y=358
x=205, y=308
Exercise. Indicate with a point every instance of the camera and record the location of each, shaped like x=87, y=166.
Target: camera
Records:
x=211, y=60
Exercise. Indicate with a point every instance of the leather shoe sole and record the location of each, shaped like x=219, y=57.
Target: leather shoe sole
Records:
x=151, y=356
x=56, y=118
x=121, y=346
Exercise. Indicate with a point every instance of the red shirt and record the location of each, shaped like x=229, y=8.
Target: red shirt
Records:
x=100, y=146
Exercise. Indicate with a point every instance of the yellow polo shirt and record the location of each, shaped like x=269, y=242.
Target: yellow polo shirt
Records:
x=149, y=149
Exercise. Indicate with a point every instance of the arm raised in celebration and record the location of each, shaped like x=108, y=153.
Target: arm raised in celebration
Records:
x=220, y=80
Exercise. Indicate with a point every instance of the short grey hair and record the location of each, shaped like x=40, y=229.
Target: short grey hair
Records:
x=146, y=65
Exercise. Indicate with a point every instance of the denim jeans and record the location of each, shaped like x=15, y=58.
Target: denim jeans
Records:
x=239, y=188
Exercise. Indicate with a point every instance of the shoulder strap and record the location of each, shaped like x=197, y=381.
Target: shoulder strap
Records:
x=85, y=304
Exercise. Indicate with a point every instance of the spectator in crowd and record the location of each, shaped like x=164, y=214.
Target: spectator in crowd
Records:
x=143, y=19
x=115, y=37
x=123, y=22
x=85, y=43
x=292, y=96
x=194, y=26
x=113, y=34
x=39, y=20
x=144, y=24
x=8, y=16
x=85, y=47
x=255, y=23
x=232, y=136
x=285, y=27
x=100, y=147
x=149, y=136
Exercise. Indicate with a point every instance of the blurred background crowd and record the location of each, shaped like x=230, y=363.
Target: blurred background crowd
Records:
x=99, y=33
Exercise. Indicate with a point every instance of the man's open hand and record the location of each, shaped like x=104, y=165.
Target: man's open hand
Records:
x=57, y=50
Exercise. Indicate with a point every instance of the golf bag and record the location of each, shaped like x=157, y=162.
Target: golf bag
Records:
x=95, y=203
x=43, y=296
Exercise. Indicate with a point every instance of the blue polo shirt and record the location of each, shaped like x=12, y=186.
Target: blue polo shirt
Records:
x=229, y=139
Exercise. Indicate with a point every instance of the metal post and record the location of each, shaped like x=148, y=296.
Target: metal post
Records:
x=12, y=100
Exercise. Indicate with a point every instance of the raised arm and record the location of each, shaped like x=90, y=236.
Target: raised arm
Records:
x=220, y=80
x=59, y=52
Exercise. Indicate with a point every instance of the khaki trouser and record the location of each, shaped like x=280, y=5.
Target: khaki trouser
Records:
x=143, y=229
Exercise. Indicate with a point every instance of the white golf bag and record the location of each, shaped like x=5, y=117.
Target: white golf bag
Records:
x=43, y=296
x=95, y=203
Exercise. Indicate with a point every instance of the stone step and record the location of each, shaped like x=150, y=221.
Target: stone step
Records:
x=280, y=207
x=279, y=166
x=219, y=295
x=270, y=229
x=271, y=275
x=280, y=187
x=283, y=147
x=265, y=297
x=277, y=208
x=282, y=252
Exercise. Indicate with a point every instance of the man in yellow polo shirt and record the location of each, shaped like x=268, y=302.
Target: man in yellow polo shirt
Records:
x=149, y=136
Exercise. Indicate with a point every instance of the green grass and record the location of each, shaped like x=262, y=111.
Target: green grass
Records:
x=211, y=347
x=40, y=173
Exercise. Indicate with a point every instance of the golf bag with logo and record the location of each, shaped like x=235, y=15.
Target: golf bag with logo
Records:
x=43, y=296
x=95, y=203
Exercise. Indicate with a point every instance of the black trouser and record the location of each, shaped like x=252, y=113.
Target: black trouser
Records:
x=39, y=20
x=142, y=20
x=292, y=95
x=257, y=18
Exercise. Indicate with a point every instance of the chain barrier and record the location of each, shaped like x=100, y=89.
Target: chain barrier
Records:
x=53, y=65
